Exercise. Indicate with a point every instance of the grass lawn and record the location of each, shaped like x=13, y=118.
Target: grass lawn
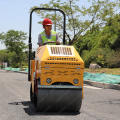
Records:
x=113, y=71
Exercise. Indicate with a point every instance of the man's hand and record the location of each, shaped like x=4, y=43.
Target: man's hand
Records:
x=57, y=43
x=40, y=44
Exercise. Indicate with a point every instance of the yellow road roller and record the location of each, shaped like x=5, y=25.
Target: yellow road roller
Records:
x=56, y=75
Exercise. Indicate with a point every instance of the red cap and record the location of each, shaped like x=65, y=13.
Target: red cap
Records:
x=47, y=21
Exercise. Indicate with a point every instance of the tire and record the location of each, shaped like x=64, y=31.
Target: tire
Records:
x=36, y=98
x=36, y=103
x=31, y=94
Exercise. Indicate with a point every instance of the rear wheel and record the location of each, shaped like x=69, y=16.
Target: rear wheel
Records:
x=31, y=94
x=36, y=103
x=36, y=94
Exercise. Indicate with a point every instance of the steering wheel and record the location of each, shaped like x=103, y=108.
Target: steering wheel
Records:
x=49, y=42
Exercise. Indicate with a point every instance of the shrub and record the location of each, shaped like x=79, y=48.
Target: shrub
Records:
x=113, y=59
x=97, y=55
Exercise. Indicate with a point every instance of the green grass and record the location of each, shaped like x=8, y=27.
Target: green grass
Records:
x=113, y=71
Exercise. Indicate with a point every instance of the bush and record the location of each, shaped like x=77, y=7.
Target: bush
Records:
x=113, y=59
x=90, y=56
x=15, y=65
x=97, y=56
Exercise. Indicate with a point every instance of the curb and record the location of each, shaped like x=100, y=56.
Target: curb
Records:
x=20, y=72
x=16, y=71
x=102, y=85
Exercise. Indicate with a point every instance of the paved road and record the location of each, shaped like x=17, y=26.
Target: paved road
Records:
x=98, y=104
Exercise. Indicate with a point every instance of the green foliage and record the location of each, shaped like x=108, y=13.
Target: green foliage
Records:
x=102, y=44
x=79, y=20
x=94, y=56
x=14, y=42
x=100, y=60
x=110, y=35
x=88, y=42
x=3, y=56
x=113, y=59
x=11, y=58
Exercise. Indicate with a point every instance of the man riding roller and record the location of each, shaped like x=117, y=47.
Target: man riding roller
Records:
x=48, y=35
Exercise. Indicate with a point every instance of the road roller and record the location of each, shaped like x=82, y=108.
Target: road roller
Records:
x=56, y=75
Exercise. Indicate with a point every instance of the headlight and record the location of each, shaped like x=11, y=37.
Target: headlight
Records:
x=48, y=80
x=75, y=81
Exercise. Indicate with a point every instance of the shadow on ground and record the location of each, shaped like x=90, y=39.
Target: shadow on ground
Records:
x=30, y=110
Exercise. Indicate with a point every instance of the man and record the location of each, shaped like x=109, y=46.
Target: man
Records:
x=48, y=35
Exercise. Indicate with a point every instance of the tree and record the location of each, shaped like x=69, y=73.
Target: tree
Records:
x=3, y=56
x=79, y=20
x=14, y=42
x=89, y=41
x=107, y=37
x=110, y=35
x=101, y=46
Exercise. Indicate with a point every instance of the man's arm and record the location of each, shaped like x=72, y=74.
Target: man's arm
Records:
x=39, y=40
x=57, y=40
